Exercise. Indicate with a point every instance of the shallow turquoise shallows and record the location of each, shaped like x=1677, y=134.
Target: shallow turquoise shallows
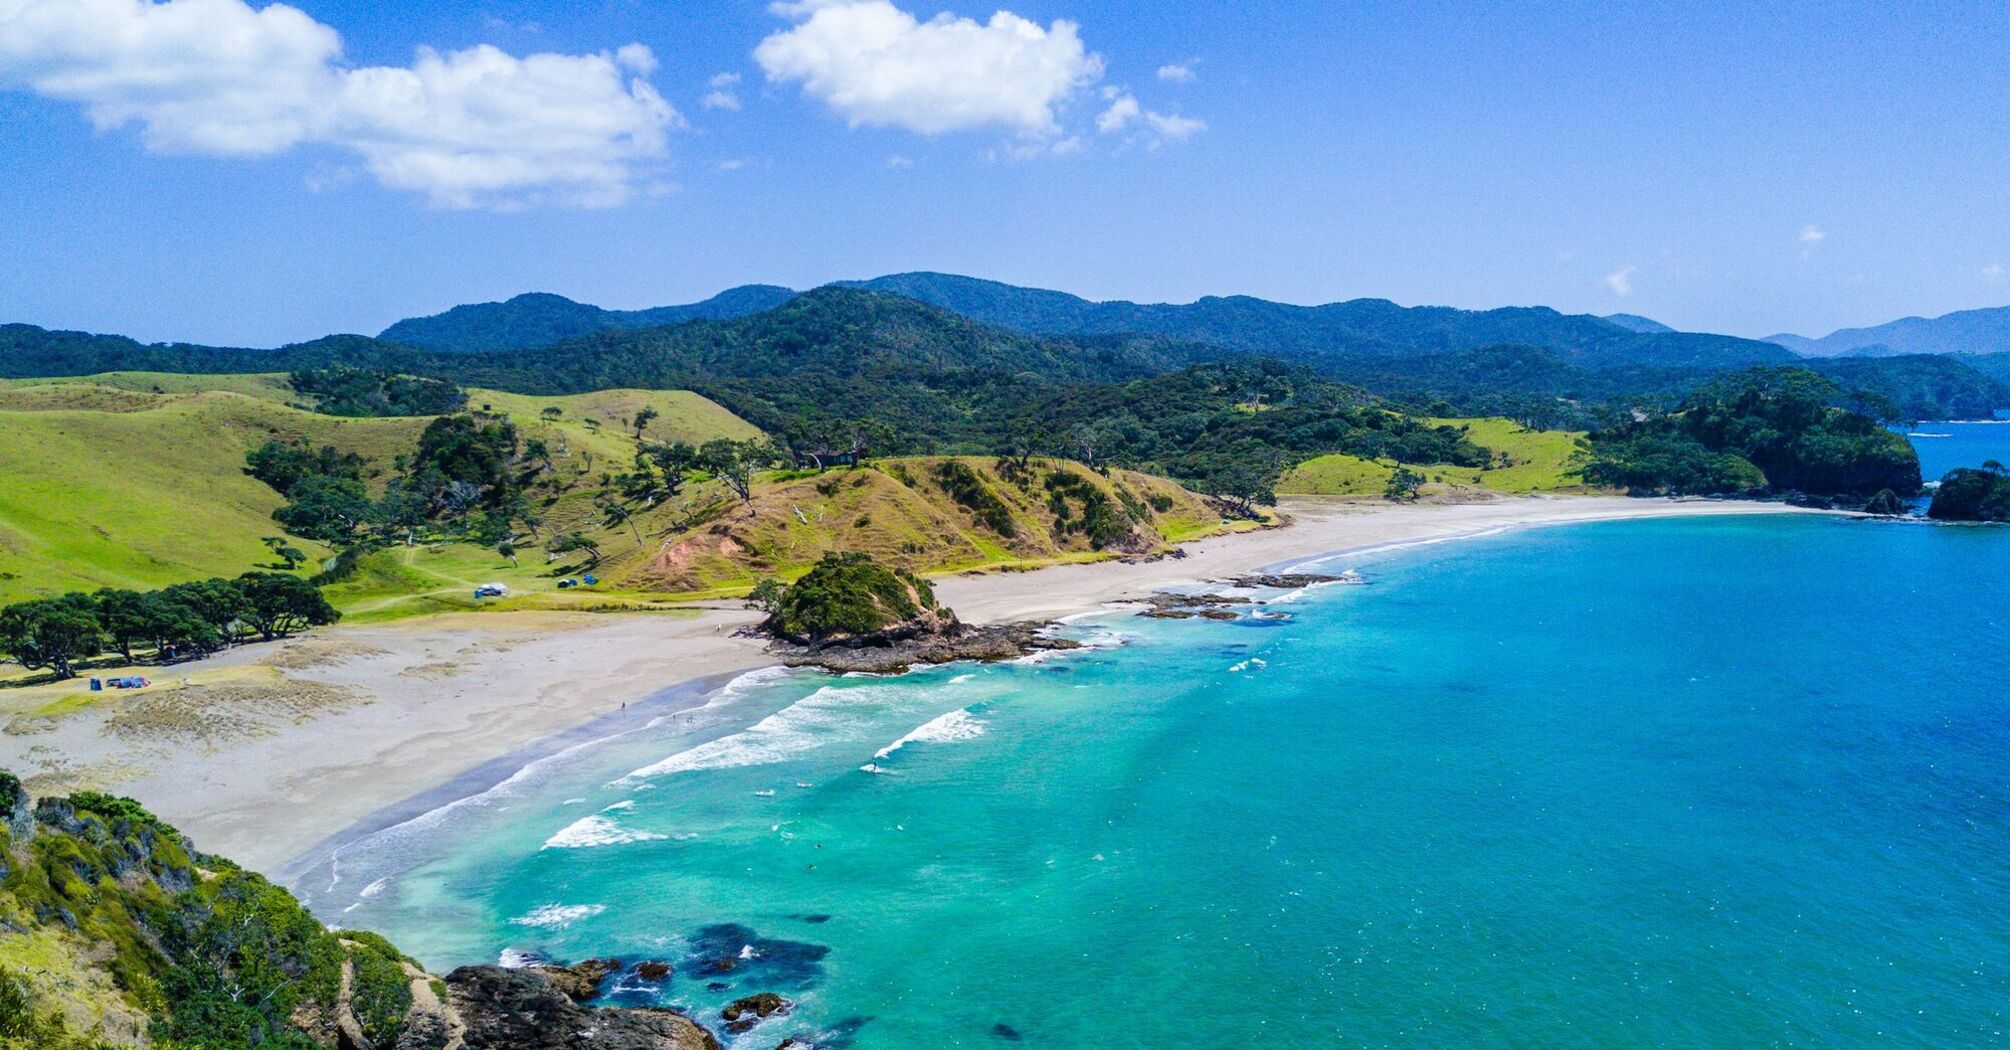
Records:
x=1707, y=783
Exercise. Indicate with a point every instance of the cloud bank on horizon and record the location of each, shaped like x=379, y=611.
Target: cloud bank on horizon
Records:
x=481, y=128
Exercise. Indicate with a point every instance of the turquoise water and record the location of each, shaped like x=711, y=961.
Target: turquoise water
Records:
x=1705, y=783
x=1944, y=446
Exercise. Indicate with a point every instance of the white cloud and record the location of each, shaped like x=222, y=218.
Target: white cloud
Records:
x=1173, y=128
x=1119, y=115
x=1991, y=274
x=1620, y=281
x=1124, y=111
x=724, y=93
x=1177, y=72
x=1811, y=237
x=877, y=65
x=470, y=128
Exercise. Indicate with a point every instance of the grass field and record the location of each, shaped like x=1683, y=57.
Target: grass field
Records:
x=136, y=480
x=105, y=482
x=143, y=497
x=1538, y=461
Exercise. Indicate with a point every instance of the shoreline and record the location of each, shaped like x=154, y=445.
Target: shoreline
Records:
x=420, y=716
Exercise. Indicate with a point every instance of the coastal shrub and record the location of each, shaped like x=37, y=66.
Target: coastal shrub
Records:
x=1099, y=519
x=966, y=488
x=381, y=991
x=849, y=595
x=1403, y=485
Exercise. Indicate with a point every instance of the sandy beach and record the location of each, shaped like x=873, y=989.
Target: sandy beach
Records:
x=267, y=750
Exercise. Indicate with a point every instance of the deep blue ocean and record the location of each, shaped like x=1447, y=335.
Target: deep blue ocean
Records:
x=1702, y=783
x=1944, y=446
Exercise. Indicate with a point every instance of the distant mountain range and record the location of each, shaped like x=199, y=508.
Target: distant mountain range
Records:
x=1370, y=327
x=541, y=319
x=1964, y=332
x=906, y=347
x=1637, y=323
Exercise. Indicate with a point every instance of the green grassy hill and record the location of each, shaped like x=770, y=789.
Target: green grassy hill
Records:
x=903, y=514
x=1536, y=461
x=136, y=480
x=146, y=494
x=704, y=543
x=104, y=482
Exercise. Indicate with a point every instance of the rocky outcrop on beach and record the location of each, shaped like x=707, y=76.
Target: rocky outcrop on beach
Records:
x=1291, y=581
x=1168, y=606
x=885, y=654
x=526, y=1010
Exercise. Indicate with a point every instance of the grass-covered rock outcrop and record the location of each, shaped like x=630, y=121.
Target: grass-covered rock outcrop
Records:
x=852, y=598
x=1973, y=494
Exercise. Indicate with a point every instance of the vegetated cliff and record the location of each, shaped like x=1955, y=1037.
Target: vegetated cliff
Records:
x=1971, y=494
x=117, y=932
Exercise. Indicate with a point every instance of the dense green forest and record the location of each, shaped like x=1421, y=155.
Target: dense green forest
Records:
x=1973, y=494
x=1763, y=430
x=877, y=372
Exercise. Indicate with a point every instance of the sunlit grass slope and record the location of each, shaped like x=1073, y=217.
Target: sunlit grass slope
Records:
x=1536, y=461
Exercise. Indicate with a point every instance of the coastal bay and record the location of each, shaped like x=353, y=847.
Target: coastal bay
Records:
x=272, y=750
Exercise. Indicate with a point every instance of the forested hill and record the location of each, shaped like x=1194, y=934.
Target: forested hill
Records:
x=859, y=354
x=1359, y=326
x=1374, y=327
x=541, y=319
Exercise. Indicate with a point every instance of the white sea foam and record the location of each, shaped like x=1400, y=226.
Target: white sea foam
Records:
x=795, y=730
x=626, y=803
x=557, y=916
x=1254, y=661
x=957, y=725
x=374, y=888
x=517, y=959
x=596, y=830
x=960, y=679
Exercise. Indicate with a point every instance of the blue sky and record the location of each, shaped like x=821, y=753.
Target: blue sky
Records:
x=250, y=176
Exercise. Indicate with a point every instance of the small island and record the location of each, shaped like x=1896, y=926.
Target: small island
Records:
x=850, y=613
x=1973, y=494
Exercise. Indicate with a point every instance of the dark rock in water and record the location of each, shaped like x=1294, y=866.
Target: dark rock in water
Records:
x=1166, y=606
x=653, y=970
x=1006, y=1032
x=523, y=1010
x=757, y=960
x=1291, y=581
x=837, y=1037
x=816, y=919
x=716, y=986
x=582, y=981
x=760, y=1004
x=991, y=643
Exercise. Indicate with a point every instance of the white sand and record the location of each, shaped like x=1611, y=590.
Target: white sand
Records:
x=260, y=765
